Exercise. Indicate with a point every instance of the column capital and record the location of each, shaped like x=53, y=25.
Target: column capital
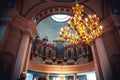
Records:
x=116, y=19
x=108, y=24
x=31, y=39
x=26, y=33
x=23, y=23
x=107, y=21
x=47, y=74
x=74, y=73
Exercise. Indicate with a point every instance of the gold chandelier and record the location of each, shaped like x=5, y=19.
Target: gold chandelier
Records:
x=81, y=29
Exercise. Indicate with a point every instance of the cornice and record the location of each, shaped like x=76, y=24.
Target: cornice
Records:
x=23, y=24
x=108, y=24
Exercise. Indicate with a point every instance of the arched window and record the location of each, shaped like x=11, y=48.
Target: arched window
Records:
x=60, y=17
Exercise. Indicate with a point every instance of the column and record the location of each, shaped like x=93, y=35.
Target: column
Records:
x=21, y=56
x=111, y=40
x=96, y=62
x=47, y=76
x=103, y=58
x=75, y=76
x=27, y=56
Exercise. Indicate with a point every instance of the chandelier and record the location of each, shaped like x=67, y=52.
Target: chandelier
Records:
x=81, y=29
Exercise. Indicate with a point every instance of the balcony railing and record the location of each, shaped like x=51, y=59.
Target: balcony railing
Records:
x=68, y=55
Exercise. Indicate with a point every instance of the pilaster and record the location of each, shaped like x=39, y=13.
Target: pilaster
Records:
x=111, y=40
x=47, y=76
x=75, y=76
x=103, y=58
x=27, y=56
x=17, y=41
x=96, y=62
x=21, y=56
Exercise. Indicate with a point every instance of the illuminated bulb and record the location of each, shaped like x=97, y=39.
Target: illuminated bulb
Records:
x=86, y=19
x=94, y=15
x=60, y=33
x=89, y=16
x=67, y=28
x=101, y=27
x=61, y=29
x=80, y=18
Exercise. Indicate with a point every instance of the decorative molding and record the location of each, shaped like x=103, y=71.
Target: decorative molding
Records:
x=57, y=7
x=26, y=33
x=23, y=24
x=54, y=10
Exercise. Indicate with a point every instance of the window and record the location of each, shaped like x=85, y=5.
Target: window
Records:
x=60, y=17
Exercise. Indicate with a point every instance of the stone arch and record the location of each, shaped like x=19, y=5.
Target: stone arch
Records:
x=36, y=13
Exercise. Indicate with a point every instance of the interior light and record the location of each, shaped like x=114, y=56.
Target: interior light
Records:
x=60, y=17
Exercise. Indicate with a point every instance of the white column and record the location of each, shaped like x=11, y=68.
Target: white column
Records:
x=47, y=76
x=103, y=58
x=96, y=62
x=20, y=56
x=75, y=76
x=27, y=57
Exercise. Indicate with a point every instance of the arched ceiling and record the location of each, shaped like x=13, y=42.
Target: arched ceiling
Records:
x=40, y=10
